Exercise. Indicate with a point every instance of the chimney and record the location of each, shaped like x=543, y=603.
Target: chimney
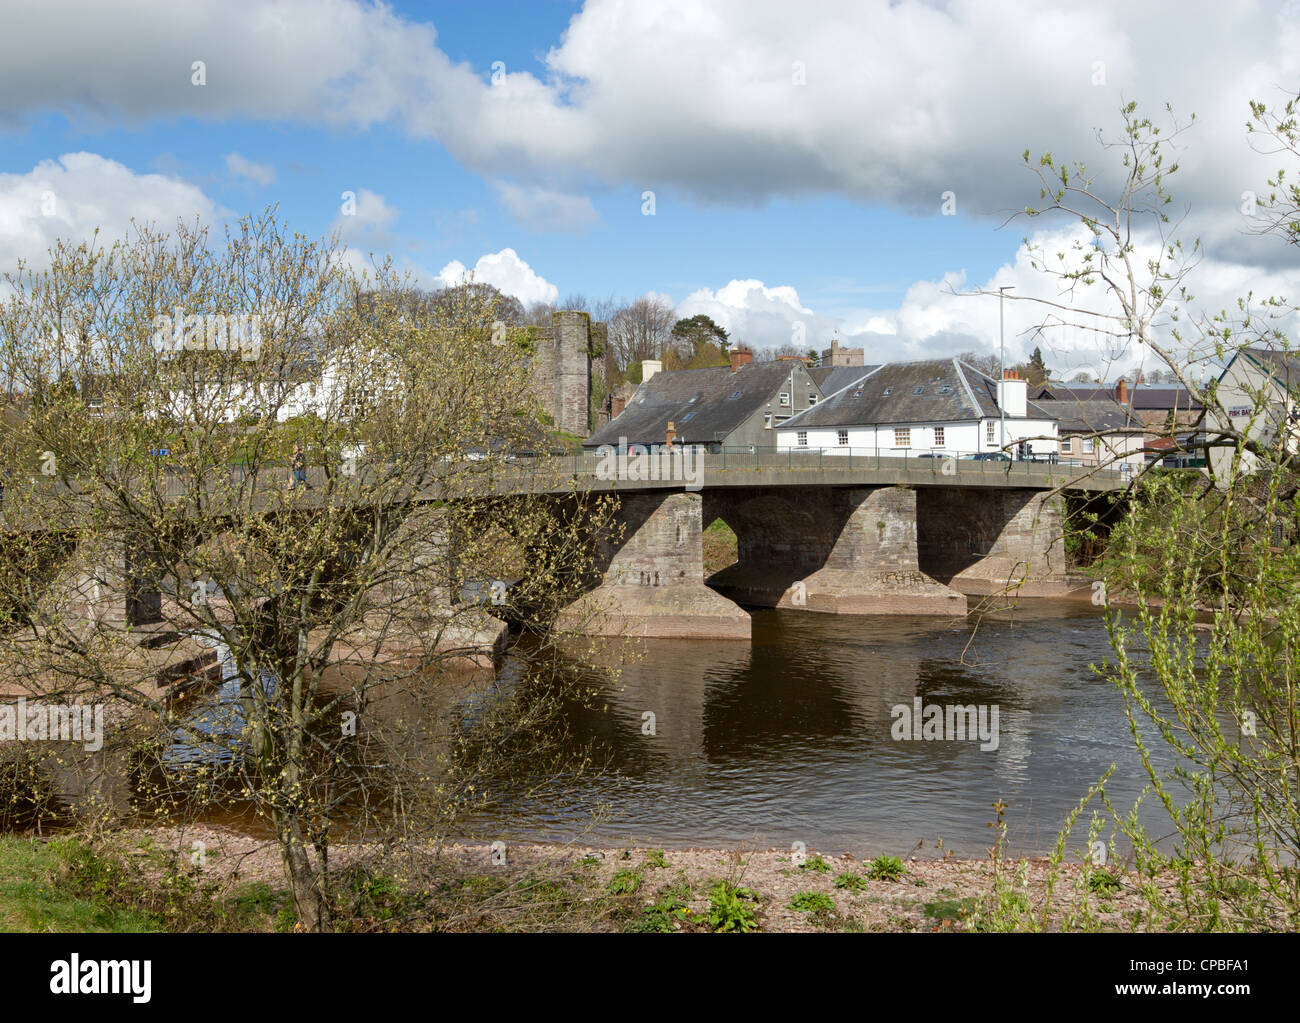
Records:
x=616, y=406
x=740, y=357
x=1121, y=391
x=1013, y=394
x=649, y=367
x=669, y=434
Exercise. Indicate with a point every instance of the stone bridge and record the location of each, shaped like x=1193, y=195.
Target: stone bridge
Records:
x=823, y=533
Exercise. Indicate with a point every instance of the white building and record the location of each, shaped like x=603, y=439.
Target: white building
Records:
x=1257, y=392
x=938, y=406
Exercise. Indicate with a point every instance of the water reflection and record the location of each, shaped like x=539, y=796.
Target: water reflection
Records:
x=211, y=731
x=789, y=738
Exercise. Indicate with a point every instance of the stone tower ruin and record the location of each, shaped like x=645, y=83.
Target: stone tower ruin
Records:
x=561, y=368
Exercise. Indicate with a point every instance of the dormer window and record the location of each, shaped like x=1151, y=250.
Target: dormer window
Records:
x=785, y=399
x=887, y=392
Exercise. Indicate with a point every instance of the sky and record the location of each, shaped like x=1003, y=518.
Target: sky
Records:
x=795, y=171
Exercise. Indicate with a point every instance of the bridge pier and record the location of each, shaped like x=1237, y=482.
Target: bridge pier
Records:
x=117, y=585
x=834, y=550
x=652, y=579
x=989, y=541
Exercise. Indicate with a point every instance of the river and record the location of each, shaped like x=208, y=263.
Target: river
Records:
x=790, y=738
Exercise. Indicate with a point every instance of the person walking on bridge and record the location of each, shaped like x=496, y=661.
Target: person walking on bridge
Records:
x=299, y=466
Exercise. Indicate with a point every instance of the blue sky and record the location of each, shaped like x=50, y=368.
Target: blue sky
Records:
x=777, y=201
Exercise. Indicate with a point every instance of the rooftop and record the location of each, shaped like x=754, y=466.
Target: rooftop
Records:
x=929, y=391
x=704, y=405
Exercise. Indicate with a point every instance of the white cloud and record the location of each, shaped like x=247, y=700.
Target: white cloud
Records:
x=543, y=210
x=902, y=100
x=240, y=167
x=505, y=271
x=71, y=196
x=953, y=314
x=364, y=218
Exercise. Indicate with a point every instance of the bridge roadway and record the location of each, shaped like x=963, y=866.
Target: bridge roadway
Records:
x=837, y=533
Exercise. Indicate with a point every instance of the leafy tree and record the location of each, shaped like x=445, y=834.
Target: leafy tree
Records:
x=341, y=607
x=1036, y=370
x=699, y=331
x=1207, y=661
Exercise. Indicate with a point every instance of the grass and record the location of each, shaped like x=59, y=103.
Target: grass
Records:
x=69, y=885
x=812, y=902
x=886, y=868
x=625, y=882
x=851, y=881
x=730, y=909
x=956, y=910
x=32, y=899
x=815, y=863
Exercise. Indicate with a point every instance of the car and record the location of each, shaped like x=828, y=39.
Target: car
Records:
x=990, y=456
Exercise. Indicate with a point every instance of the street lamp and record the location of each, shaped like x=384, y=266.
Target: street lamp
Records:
x=1002, y=368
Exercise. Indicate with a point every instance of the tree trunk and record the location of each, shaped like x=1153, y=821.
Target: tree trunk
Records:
x=308, y=902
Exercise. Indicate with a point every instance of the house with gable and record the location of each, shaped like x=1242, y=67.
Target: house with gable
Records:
x=934, y=406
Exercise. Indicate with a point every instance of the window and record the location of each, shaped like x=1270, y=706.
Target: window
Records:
x=803, y=438
x=888, y=392
x=767, y=420
x=1087, y=445
x=842, y=436
x=944, y=389
x=781, y=419
x=785, y=399
x=989, y=437
x=812, y=400
x=902, y=436
x=919, y=390
x=938, y=436
x=1067, y=445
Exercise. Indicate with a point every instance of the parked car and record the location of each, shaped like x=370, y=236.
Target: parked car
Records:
x=989, y=456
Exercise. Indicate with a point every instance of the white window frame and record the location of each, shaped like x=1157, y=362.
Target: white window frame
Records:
x=785, y=399
x=1088, y=445
x=989, y=437
x=902, y=436
x=801, y=438
x=938, y=436
x=842, y=436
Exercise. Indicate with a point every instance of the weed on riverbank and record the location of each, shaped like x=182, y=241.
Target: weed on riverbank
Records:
x=151, y=881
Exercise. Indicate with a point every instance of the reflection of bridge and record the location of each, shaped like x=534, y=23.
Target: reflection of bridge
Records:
x=856, y=534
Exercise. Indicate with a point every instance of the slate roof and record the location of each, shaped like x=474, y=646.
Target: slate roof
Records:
x=1143, y=396
x=1101, y=415
x=1284, y=366
x=704, y=405
x=949, y=391
x=830, y=379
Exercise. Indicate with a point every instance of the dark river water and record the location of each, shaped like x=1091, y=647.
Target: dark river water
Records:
x=790, y=738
